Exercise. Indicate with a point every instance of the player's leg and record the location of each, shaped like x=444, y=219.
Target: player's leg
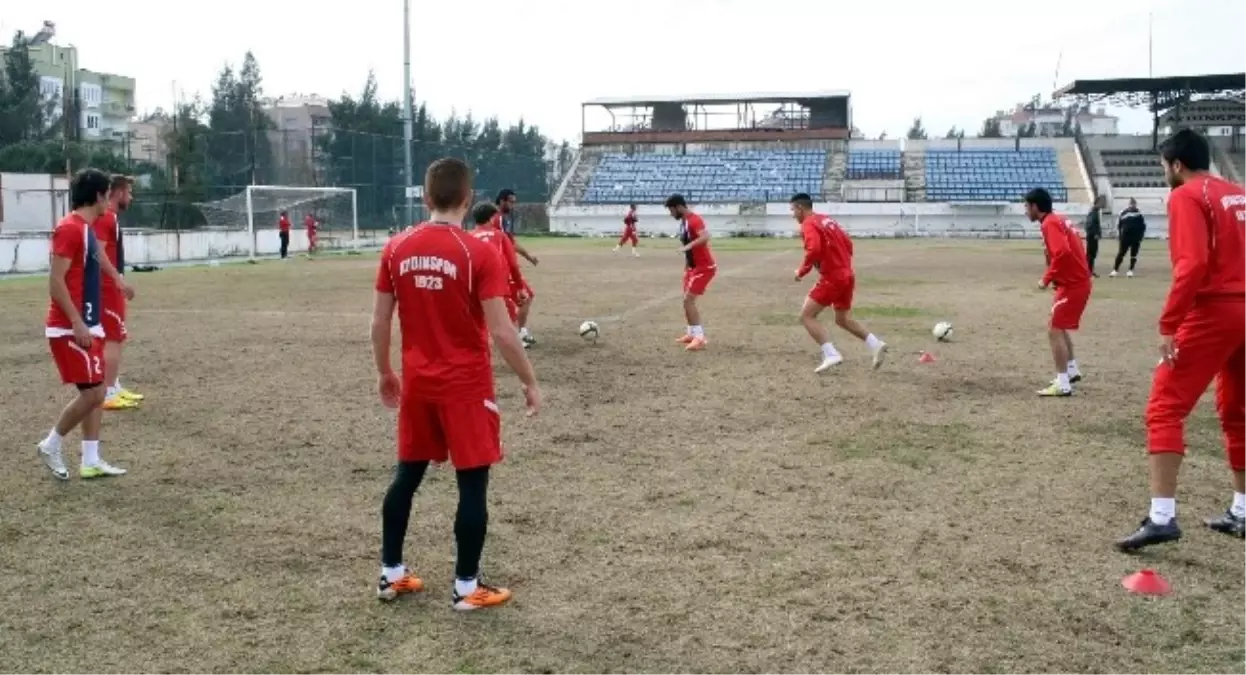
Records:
x=1175, y=390
x=525, y=308
x=84, y=369
x=1122, y=246
x=688, y=300
x=1135, y=245
x=421, y=439
x=93, y=465
x=840, y=299
x=1075, y=371
x=474, y=437
x=622, y=240
x=635, y=243
x=1231, y=406
x=697, y=281
x=1066, y=314
x=809, y=313
x=1092, y=252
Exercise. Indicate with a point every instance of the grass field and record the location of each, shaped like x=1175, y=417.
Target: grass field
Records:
x=720, y=511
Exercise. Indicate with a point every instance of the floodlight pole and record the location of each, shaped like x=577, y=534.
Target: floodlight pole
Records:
x=406, y=102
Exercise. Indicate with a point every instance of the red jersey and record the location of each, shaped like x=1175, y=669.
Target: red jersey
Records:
x=284, y=224
x=690, y=228
x=504, y=222
x=74, y=239
x=1066, y=255
x=505, y=247
x=309, y=223
x=108, y=236
x=629, y=221
x=827, y=247
x=439, y=276
x=1207, y=247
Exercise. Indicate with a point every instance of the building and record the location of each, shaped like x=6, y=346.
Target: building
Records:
x=146, y=142
x=105, y=101
x=1049, y=120
x=298, y=119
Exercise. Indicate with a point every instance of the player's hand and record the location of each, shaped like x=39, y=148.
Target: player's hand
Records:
x=521, y=297
x=797, y=275
x=532, y=399
x=1042, y=285
x=127, y=290
x=390, y=389
x=1167, y=350
x=82, y=334
x=683, y=249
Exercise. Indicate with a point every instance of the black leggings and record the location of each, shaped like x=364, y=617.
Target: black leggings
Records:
x=1128, y=242
x=1092, y=251
x=471, y=521
x=285, y=243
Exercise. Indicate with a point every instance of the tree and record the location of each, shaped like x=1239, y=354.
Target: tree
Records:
x=239, y=153
x=1028, y=131
x=990, y=128
x=917, y=132
x=25, y=113
x=954, y=133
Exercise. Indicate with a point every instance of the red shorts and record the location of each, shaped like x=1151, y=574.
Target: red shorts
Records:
x=113, y=319
x=836, y=293
x=311, y=240
x=468, y=433
x=1067, y=307
x=527, y=290
x=78, y=365
x=629, y=235
x=696, y=280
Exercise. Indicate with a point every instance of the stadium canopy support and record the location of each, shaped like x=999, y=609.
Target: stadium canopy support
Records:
x=1157, y=94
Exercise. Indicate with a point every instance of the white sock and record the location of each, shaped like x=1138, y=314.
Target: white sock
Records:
x=465, y=587
x=1072, y=369
x=873, y=342
x=112, y=391
x=688, y=331
x=1239, y=504
x=697, y=331
x=1062, y=380
x=1163, y=510
x=393, y=574
x=116, y=384
x=90, y=453
x=828, y=351
x=523, y=331
x=53, y=440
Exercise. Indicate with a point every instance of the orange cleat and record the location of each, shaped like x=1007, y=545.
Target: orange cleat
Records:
x=388, y=590
x=696, y=344
x=484, y=596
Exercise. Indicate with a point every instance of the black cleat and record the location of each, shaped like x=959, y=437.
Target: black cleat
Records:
x=1149, y=534
x=1227, y=523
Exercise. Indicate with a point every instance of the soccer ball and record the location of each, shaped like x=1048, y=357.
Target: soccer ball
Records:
x=589, y=331
x=942, y=331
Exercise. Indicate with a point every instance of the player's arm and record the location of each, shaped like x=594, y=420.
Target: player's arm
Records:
x=701, y=237
x=111, y=272
x=494, y=287
x=512, y=260
x=1188, y=246
x=523, y=251
x=1057, y=251
x=813, y=249
x=382, y=329
x=59, y=289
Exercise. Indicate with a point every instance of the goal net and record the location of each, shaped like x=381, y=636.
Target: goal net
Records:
x=258, y=209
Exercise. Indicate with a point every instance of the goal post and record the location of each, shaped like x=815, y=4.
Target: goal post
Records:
x=258, y=208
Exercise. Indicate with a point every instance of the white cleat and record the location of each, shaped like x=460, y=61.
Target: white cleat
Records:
x=1130, y=274
x=54, y=460
x=1113, y=274
x=100, y=469
x=880, y=355
x=829, y=362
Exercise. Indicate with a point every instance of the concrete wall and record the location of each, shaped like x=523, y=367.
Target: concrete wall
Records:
x=860, y=219
x=32, y=202
x=26, y=253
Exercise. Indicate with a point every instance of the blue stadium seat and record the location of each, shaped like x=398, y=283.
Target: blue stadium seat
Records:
x=873, y=165
x=709, y=176
x=992, y=175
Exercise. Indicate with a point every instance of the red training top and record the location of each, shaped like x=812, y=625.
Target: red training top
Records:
x=108, y=236
x=74, y=239
x=284, y=224
x=690, y=228
x=1066, y=255
x=629, y=221
x=496, y=238
x=310, y=223
x=827, y=247
x=1205, y=242
x=440, y=275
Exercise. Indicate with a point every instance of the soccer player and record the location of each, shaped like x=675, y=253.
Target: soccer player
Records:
x=505, y=221
x=283, y=227
x=114, y=292
x=1130, y=230
x=1094, y=232
x=828, y=248
x=309, y=222
x=1068, y=270
x=450, y=292
x=485, y=231
x=629, y=230
x=75, y=336
x=699, y=267
x=1202, y=335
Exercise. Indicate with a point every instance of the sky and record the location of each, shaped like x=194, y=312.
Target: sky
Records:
x=953, y=62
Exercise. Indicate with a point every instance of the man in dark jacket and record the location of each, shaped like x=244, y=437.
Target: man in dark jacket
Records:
x=1130, y=229
x=1094, y=232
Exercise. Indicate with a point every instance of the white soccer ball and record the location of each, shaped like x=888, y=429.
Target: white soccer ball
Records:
x=942, y=331
x=589, y=331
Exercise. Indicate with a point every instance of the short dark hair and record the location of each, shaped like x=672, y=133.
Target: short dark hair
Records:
x=675, y=200
x=483, y=213
x=1188, y=147
x=88, y=187
x=1039, y=198
x=803, y=200
x=503, y=195
x=632, y=205
x=447, y=183
x=120, y=181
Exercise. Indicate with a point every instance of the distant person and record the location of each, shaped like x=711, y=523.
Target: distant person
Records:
x=505, y=221
x=1202, y=336
x=449, y=290
x=1094, y=232
x=115, y=295
x=629, y=230
x=1068, y=271
x=699, y=268
x=309, y=222
x=1130, y=230
x=829, y=249
x=283, y=231
x=482, y=216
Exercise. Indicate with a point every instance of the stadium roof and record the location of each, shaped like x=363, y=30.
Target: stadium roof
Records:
x=1154, y=91
x=717, y=99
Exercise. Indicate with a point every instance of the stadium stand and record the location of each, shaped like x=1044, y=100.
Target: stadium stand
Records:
x=709, y=176
x=996, y=174
x=873, y=164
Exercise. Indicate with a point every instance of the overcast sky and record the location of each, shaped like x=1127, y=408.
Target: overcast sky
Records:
x=953, y=62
